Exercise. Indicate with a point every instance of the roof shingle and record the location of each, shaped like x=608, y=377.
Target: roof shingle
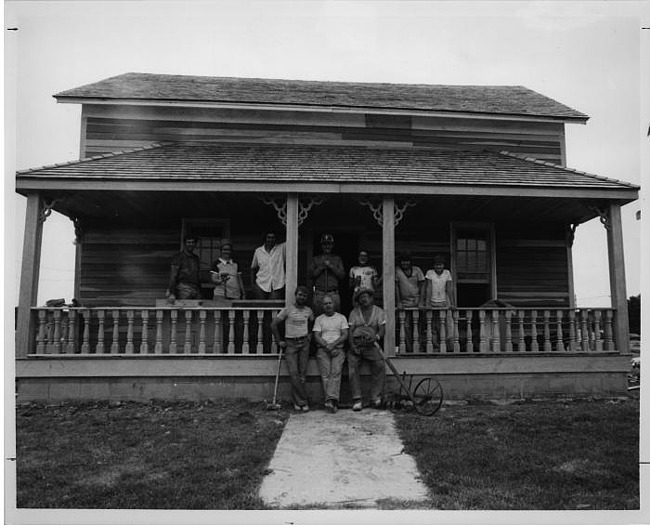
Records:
x=271, y=163
x=502, y=100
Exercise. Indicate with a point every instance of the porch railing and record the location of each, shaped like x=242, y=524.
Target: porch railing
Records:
x=153, y=330
x=505, y=330
x=244, y=330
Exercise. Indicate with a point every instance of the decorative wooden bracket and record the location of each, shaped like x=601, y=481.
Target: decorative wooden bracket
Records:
x=46, y=209
x=305, y=204
x=603, y=214
x=78, y=230
x=378, y=210
x=571, y=233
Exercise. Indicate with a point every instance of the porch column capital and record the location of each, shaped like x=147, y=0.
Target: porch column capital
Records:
x=603, y=213
x=45, y=209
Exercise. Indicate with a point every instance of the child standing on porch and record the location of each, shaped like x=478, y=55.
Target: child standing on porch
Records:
x=363, y=275
x=298, y=320
x=439, y=295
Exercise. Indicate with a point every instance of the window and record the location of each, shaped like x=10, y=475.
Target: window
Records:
x=472, y=264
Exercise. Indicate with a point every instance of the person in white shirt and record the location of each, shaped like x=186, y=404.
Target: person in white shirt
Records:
x=439, y=295
x=330, y=332
x=363, y=275
x=268, y=269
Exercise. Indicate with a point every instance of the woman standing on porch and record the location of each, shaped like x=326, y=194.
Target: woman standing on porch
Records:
x=226, y=276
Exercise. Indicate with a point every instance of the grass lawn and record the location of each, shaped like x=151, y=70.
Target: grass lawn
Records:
x=580, y=455
x=155, y=456
x=213, y=455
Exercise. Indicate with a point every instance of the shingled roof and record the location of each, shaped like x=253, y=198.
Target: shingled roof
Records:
x=302, y=164
x=501, y=100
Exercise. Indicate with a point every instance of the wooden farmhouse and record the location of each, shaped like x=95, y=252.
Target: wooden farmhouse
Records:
x=474, y=173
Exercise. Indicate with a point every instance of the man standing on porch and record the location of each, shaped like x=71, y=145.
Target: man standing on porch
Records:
x=330, y=333
x=409, y=293
x=268, y=269
x=184, y=281
x=297, y=321
x=326, y=274
x=367, y=327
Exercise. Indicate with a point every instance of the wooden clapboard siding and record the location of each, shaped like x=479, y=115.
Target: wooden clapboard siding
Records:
x=532, y=266
x=118, y=128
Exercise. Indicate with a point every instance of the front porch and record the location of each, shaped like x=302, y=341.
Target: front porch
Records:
x=507, y=240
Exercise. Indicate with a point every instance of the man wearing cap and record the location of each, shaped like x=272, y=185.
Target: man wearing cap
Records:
x=184, y=281
x=367, y=327
x=326, y=274
x=409, y=293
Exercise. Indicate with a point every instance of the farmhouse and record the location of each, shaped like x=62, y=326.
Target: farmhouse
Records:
x=475, y=173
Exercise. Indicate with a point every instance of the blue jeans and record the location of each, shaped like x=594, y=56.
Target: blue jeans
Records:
x=297, y=356
x=330, y=372
x=377, y=373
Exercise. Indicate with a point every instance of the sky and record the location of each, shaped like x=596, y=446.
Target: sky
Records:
x=585, y=55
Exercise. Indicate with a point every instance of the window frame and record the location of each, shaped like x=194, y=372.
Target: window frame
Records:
x=488, y=228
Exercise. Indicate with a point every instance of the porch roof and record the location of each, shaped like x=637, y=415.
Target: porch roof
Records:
x=303, y=167
x=315, y=95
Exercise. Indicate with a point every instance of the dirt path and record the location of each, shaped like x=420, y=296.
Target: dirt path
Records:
x=344, y=460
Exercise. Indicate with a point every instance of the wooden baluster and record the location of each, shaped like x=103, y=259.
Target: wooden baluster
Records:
x=401, y=319
x=115, y=344
x=56, y=343
x=521, y=346
x=509, y=347
x=158, y=347
x=246, y=347
x=85, y=339
x=260, y=339
x=40, y=334
x=144, y=345
x=456, y=339
x=173, y=347
x=572, y=331
x=609, y=336
x=187, y=347
x=560, y=333
x=202, y=317
x=416, y=330
x=428, y=331
x=585, y=330
x=216, y=343
x=72, y=331
x=130, y=314
x=442, y=330
x=547, y=330
x=231, y=332
x=496, y=333
x=598, y=343
x=482, y=344
x=101, y=315
x=470, y=342
x=534, y=345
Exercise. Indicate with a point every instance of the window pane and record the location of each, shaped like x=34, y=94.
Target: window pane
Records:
x=462, y=244
x=482, y=246
x=462, y=261
x=471, y=244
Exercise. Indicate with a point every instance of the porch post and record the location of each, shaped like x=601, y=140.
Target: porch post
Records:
x=617, y=278
x=388, y=272
x=292, y=247
x=30, y=266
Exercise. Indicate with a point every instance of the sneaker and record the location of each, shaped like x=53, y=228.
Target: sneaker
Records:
x=331, y=407
x=297, y=407
x=377, y=404
x=334, y=408
x=357, y=406
x=305, y=408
